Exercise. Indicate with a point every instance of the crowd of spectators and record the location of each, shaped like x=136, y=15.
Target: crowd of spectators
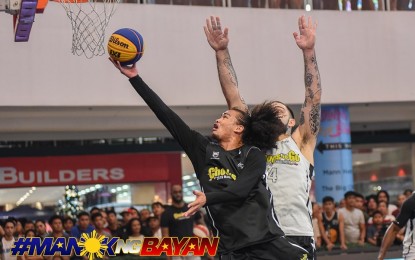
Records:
x=128, y=224
x=356, y=221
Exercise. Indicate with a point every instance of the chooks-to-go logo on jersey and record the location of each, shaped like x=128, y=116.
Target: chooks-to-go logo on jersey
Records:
x=95, y=246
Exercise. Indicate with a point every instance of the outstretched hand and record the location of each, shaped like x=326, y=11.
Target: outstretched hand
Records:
x=307, y=37
x=216, y=38
x=129, y=72
x=199, y=202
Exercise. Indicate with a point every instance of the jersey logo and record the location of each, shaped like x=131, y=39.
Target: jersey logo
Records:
x=215, y=155
x=240, y=165
x=291, y=158
x=216, y=173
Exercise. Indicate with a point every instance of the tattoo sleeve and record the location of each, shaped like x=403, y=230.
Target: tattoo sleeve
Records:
x=229, y=81
x=311, y=110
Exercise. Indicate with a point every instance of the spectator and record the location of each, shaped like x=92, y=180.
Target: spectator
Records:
x=351, y=222
x=330, y=5
x=342, y=203
x=158, y=209
x=135, y=213
x=134, y=229
x=104, y=219
x=399, y=202
x=18, y=231
x=377, y=230
x=68, y=224
x=57, y=231
x=384, y=196
x=329, y=224
x=94, y=210
x=113, y=224
x=383, y=208
x=408, y=192
x=83, y=225
x=28, y=234
x=173, y=221
x=126, y=215
x=29, y=225
x=7, y=241
x=372, y=205
x=98, y=223
x=144, y=215
x=154, y=224
x=40, y=228
x=360, y=204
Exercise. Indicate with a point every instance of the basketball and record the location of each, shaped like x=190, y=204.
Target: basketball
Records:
x=126, y=46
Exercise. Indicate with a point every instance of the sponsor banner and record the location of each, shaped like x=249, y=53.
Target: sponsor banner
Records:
x=88, y=169
x=333, y=154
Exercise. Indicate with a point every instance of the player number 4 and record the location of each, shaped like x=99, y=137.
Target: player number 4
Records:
x=272, y=175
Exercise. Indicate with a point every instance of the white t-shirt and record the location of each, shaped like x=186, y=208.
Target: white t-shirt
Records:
x=352, y=219
x=7, y=246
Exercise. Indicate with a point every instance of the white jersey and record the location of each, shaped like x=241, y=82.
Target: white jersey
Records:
x=289, y=176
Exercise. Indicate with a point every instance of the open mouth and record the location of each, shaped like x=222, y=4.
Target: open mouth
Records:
x=215, y=127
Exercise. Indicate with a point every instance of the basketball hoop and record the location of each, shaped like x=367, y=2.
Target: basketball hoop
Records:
x=89, y=19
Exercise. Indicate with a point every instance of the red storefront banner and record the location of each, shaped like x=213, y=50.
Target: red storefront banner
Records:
x=89, y=169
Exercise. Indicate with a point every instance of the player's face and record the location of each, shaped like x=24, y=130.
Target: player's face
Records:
x=284, y=115
x=226, y=125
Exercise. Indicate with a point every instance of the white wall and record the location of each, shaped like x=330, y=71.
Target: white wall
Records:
x=363, y=57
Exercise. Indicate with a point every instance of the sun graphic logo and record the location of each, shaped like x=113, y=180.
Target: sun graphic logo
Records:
x=93, y=246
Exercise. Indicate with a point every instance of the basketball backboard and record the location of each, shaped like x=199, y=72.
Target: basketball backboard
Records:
x=10, y=6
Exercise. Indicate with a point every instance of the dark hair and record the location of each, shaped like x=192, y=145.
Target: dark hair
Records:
x=95, y=215
x=9, y=220
x=408, y=191
x=382, y=191
x=157, y=204
x=53, y=218
x=359, y=195
x=372, y=197
x=349, y=194
x=82, y=213
x=29, y=230
x=93, y=208
x=130, y=223
x=328, y=199
x=111, y=211
x=376, y=212
x=67, y=218
x=40, y=220
x=263, y=127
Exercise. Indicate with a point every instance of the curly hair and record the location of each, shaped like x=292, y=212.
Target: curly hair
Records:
x=263, y=126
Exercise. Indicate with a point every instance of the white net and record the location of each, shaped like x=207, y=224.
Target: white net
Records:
x=89, y=19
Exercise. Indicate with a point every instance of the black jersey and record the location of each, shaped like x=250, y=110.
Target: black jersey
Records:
x=237, y=201
x=332, y=228
x=407, y=217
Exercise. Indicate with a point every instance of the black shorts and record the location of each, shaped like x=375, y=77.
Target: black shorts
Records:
x=306, y=243
x=277, y=249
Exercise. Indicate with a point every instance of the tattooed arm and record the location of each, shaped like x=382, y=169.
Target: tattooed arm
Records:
x=219, y=40
x=309, y=123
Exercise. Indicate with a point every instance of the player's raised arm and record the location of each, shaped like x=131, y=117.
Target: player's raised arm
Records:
x=219, y=40
x=309, y=124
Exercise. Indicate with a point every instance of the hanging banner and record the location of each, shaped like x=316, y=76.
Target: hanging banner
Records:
x=89, y=169
x=333, y=154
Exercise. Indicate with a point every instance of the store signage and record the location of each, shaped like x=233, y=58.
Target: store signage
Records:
x=87, y=169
